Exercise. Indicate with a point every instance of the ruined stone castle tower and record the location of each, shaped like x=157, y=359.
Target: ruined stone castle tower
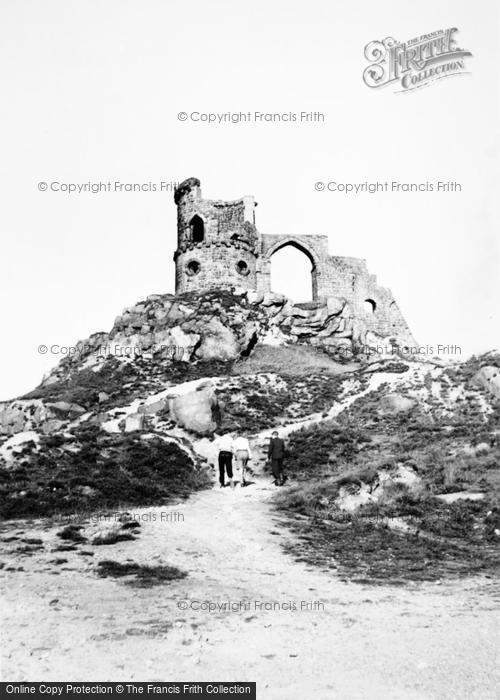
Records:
x=220, y=246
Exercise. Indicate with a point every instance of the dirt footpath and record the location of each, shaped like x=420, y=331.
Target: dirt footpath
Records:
x=297, y=631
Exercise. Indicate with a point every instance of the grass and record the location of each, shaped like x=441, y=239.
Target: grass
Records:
x=254, y=403
x=290, y=360
x=138, y=575
x=438, y=445
x=121, y=469
x=124, y=381
x=446, y=540
x=366, y=553
x=72, y=533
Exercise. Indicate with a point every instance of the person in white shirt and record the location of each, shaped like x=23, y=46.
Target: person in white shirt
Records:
x=225, y=444
x=242, y=453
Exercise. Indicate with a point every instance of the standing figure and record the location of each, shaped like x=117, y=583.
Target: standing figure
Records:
x=226, y=459
x=242, y=454
x=276, y=455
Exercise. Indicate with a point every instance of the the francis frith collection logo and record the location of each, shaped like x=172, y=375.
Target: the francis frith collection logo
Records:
x=414, y=63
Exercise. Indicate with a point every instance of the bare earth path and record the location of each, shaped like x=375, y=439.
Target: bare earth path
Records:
x=357, y=641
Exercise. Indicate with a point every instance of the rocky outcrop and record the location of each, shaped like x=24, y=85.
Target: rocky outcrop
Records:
x=218, y=326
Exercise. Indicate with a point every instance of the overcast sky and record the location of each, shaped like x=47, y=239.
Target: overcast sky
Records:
x=91, y=91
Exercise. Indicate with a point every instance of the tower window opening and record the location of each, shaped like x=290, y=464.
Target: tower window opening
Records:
x=193, y=267
x=242, y=267
x=197, y=229
x=370, y=306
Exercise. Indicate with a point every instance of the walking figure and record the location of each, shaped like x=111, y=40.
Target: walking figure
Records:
x=226, y=460
x=276, y=455
x=242, y=454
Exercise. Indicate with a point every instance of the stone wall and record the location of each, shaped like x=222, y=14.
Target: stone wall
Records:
x=226, y=255
x=202, y=266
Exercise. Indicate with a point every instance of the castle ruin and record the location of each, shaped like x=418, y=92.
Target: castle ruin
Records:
x=219, y=246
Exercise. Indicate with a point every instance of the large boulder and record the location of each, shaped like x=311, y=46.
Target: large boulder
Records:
x=175, y=343
x=134, y=421
x=218, y=342
x=22, y=415
x=16, y=444
x=488, y=378
x=12, y=419
x=66, y=409
x=396, y=403
x=196, y=411
x=53, y=425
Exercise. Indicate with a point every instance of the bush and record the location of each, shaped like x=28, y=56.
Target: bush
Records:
x=121, y=468
x=140, y=576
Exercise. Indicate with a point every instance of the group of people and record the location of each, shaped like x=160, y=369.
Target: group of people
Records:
x=238, y=449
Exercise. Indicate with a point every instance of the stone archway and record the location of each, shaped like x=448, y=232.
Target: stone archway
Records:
x=272, y=244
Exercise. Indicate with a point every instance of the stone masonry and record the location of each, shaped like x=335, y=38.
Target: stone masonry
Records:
x=219, y=246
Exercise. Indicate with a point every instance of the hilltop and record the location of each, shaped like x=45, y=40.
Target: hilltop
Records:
x=381, y=446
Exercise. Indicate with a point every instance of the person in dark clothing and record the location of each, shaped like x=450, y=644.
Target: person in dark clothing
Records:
x=226, y=459
x=276, y=455
x=225, y=465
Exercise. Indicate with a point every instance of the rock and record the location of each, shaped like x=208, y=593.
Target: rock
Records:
x=12, y=420
x=134, y=421
x=335, y=305
x=17, y=443
x=85, y=490
x=53, y=425
x=482, y=447
x=153, y=407
x=488, y=378
x=255, y=297
x=175, y=343
x=49, y=378
x=173, y=312
x=22, y=415
x=460, y=495
x=402, y=475
x=350, y=498
x=109, y=533
x=184, y=343
x=99, y=418
x=196, y=411
x=297, y=312
x=65, y=407
x=395, y=403
x=103, y=396
x=161, y=314
x=284, y=313
x=218, y=342
x=138, y=308
x=273, y=299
